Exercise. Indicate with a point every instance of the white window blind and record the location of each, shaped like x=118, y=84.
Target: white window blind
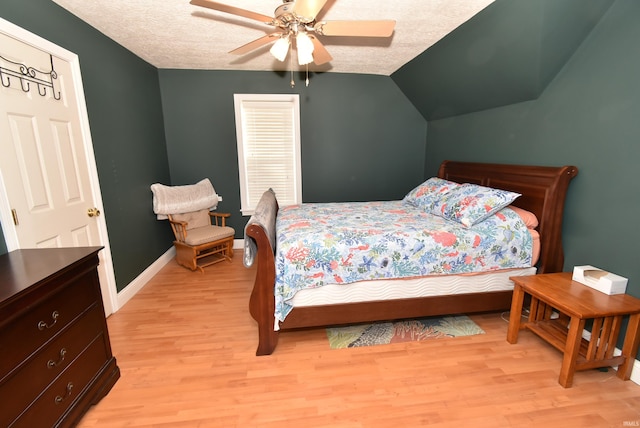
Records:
x=268, y=136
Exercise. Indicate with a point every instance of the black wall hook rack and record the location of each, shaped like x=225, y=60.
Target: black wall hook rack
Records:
x=28, y=75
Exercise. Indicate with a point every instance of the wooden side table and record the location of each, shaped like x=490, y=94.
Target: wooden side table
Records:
x=577, y=303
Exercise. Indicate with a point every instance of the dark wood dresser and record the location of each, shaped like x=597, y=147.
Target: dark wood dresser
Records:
x=55, y=355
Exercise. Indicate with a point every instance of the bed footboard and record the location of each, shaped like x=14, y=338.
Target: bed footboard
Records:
x=260, y=242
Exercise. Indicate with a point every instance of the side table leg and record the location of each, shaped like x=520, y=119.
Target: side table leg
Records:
x=516, y=314
x=572, y=348
x=630, y=347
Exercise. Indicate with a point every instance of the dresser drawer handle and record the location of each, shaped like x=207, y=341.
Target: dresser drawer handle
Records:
x=54, y=316
x=59, y=398
x=51, y=364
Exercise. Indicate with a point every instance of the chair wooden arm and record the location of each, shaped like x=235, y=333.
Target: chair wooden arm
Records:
x=179, y=229
x=215, y=216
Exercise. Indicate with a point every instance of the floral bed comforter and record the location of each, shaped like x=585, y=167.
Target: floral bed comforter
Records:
x=325, y=243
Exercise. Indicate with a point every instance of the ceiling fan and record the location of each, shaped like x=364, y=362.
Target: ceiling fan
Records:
x=296, y=23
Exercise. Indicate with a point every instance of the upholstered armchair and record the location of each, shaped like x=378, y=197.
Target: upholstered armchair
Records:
x=202, y=236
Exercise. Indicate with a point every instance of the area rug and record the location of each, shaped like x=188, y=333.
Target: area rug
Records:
x=381, y=333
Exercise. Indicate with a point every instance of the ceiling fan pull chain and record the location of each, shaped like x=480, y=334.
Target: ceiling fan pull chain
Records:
x=307, y=81
x=293, y=84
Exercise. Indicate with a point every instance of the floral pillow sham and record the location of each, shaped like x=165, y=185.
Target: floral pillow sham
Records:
x=470, y=204
x=428, y=193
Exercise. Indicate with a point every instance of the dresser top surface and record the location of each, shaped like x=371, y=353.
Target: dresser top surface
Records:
x=23, y=268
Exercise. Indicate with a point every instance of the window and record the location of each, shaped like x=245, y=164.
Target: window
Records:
x=268, y=134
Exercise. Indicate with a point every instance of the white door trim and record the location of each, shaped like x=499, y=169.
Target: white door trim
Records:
x=106, y=262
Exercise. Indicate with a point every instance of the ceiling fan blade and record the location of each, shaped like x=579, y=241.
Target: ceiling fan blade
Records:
x=233, y=10
x=356, y=28
x=255, y=44
x=320, y=54
x=308, y=9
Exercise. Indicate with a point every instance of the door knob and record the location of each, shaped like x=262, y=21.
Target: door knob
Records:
x=93, y=212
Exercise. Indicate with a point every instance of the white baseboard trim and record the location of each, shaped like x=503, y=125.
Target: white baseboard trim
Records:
x=141, y=280
x=635, y=372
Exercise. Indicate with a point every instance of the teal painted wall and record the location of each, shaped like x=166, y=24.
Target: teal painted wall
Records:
x=125, y=116
x=361, y=139
x=3, y=245
x=587, y=116
x=507, y=53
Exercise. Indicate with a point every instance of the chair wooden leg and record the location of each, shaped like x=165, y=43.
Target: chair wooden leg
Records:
x=230, y=249
x=185, y=255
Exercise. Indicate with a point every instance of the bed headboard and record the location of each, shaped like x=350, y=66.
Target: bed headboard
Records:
x=543, y=190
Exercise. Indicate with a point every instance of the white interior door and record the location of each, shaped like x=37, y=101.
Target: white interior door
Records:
x=47, y=171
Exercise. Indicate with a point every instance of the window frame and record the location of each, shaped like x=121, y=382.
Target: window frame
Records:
x=249, y=191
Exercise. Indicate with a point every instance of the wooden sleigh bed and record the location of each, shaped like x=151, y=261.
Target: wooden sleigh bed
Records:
x=543, y=191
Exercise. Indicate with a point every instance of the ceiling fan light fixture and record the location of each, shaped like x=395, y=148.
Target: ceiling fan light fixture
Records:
x=304, y=46
x=280, y=48
x=295, y=22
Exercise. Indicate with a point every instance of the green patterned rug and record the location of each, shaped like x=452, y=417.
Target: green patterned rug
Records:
x=381, y=333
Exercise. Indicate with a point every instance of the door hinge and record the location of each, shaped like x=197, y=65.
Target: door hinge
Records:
x=14, y=214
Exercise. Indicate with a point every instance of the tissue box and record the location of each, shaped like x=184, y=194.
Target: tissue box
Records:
x=601, y=280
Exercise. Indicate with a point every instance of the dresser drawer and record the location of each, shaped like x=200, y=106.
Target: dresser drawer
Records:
x=43, y=321
x=23, y=386
x=52, y=404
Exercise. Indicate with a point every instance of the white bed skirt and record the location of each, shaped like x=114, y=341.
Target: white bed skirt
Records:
x=368, y=291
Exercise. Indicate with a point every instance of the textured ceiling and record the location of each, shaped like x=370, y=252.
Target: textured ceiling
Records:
x=176, y=34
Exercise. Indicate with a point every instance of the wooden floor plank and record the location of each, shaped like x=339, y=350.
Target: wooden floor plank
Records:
x=186, y=345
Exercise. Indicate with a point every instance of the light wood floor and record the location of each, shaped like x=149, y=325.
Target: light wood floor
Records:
x=186, y=348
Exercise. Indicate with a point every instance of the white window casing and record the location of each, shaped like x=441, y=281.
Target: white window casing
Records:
x=268, y=137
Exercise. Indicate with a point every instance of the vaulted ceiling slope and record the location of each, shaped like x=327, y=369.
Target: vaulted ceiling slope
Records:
x=176, y=34
x=508, y=53
x=449, y=57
